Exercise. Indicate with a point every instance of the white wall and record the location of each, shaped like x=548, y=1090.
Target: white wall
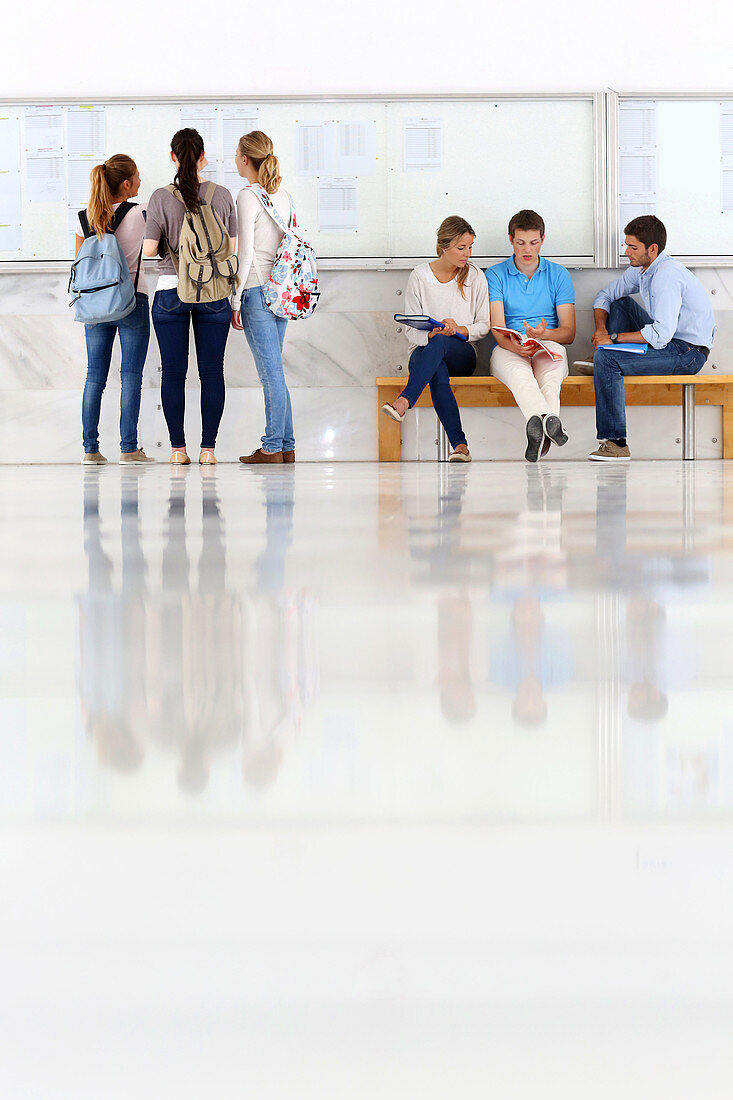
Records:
x=372, y=46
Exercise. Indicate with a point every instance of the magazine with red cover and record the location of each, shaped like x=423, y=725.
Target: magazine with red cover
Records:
x=529, y=342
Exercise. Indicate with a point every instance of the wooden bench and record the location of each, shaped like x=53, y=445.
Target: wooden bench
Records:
x=685, y=390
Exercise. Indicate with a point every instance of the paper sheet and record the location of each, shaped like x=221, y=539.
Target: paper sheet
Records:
x=44, y=130
x=11, y=233
x=629, y=210
x=77, y=176
x=422, y=144
x=337, y=205
x=45, y=179
x=86, y=132
x=9, y=154
x=637, y=126
x=211, y=171
x=350, y=149
x=726, y=129
x=638, y=178
x=72, y=227
x=204, y=118
x=233, y=182
x=310, y=148
x=236, y=121
x=726, y=191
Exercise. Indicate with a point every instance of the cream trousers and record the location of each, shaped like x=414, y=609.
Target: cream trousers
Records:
x=535, y=383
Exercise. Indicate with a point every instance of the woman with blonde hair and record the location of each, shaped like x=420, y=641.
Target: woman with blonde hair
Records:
x=258, y=239
x=115, y=183
x=450, y=290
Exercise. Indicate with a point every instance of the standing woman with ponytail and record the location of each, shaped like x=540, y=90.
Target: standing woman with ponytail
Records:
x=172, y=318
x=259, y=237
x=114, y=182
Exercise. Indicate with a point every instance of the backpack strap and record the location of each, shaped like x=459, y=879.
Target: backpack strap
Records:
x=269, y=206
x=209, y=192
x=84, y=220
x=119, y=214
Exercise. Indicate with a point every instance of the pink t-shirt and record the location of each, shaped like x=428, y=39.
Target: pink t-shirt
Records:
x=129, y=237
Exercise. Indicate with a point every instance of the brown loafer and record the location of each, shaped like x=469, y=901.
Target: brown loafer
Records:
x=259, y=456
x=288, y=456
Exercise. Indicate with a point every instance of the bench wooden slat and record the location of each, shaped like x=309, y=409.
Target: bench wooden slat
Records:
x=577, y=391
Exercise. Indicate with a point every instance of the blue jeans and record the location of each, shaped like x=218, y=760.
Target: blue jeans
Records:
x=610, y=366
x=432, y=366
x=265, y=334
x=134, y=333
x=172, y=320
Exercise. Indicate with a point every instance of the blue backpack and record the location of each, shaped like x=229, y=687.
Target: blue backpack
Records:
x=100, y=284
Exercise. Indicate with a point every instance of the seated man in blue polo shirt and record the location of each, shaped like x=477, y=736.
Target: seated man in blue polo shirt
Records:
x=534, y=297
x=676, y=323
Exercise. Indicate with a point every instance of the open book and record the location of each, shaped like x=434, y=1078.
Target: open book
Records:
x=529, y=342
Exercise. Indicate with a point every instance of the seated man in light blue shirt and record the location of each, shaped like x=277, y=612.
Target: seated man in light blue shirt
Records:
x=676, y=323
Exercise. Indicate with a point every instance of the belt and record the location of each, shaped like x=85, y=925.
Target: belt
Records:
x=699, y=347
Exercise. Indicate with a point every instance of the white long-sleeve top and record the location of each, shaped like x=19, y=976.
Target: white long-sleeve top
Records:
x=426, y=294
x=258, y=238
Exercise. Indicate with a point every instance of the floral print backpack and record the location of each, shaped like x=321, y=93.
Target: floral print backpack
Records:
x=292, y=290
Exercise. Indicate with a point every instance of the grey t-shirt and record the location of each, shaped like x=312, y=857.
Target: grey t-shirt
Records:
x=165, y=218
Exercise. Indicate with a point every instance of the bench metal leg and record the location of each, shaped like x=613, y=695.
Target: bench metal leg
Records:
x=442, y=440
x=688, y=422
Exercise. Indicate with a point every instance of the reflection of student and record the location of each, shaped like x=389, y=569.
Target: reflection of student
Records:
x=455, y=636
x=453, y=291
x=196, y=671
x=115, y=182
x=535, y=297
x=112, y=630
x=530, y=661
x=676, y=321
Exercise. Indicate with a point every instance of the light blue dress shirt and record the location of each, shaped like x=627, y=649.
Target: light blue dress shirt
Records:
x=530, y=299
x=675, y=300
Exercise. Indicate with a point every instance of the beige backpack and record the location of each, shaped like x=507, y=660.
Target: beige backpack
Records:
x=206, y=264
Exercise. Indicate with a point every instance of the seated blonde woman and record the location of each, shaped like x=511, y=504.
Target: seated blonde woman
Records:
x=534, y=297
x=450, y=290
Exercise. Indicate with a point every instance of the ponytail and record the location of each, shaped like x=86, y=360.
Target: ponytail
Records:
x=258, y=147
x=106, y=180
x=187, y=146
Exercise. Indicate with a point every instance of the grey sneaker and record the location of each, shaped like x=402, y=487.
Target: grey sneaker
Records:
x=137, y=457
x=94, y=459
x=610, y=452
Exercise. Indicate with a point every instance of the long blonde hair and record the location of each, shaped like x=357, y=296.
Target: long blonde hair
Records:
x=107, y=179
x=448, y=230
x=258, y=147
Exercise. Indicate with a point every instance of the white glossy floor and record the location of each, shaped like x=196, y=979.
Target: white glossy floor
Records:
x=367, y=782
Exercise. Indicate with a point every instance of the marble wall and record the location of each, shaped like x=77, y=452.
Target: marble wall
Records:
x=331, y=361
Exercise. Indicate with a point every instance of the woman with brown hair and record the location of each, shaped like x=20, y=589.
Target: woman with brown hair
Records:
x=258, y=239
x=113, y=183
x=450, y=290
x=173, y=318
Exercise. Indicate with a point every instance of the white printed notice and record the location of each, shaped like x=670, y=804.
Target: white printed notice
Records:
x=232, y=180
x=310, y=148
x=78, y=183
x=45, y=178
x=204, y=118
x=422, y=144
x=337, y=209
x=637, y=126
x=638, y=178
x=726, y=191
x=350, y=149
x=44, y=131
x=726, y=129
x=86, y=132
x=11, y=237
x=237, y=119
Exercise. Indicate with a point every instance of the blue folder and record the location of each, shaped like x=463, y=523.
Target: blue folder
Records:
x=422, y=322
x=634, y=349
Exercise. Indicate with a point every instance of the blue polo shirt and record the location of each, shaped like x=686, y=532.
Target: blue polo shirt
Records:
x=530, y=299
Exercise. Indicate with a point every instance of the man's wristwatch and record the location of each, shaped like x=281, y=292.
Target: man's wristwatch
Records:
x=613, y=337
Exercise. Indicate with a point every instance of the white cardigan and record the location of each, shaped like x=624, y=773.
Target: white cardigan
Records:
x=426, y=294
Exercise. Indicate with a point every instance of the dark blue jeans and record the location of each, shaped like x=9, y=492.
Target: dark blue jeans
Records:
x=610, y=366
x=172, y=320
x=134, y=333
x=432, y=366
